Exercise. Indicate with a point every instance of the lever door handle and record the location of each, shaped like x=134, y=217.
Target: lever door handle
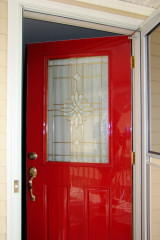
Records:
x=32, y=174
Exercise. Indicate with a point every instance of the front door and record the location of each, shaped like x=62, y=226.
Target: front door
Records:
x=79, y=140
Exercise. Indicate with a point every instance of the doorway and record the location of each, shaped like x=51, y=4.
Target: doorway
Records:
x=42, y=31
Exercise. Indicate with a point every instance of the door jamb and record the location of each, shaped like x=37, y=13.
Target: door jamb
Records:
x=14, y=99
x=136, y=124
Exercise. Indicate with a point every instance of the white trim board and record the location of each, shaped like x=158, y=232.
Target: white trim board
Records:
x=14, y=86
x=144, y=133
x=136, y=96
x=74, y=22
x=80, y=13
x=14, y=100
x=150, y=22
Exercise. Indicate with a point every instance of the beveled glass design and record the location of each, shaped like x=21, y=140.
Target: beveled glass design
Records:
x=154, y=89
x=77, y=112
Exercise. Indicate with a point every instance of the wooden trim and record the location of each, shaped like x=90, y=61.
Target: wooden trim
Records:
x=14, y=100
x=78, y=23
x=144, y=134
x=136, y=93
x=150, y=22
x=79, y=13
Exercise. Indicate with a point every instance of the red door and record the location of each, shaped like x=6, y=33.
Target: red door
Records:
x=79, y=125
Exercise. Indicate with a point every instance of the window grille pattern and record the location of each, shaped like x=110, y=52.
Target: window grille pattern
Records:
x=77, y=112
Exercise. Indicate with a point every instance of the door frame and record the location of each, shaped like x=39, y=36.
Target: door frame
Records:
x=14, y=95
x=146, y=27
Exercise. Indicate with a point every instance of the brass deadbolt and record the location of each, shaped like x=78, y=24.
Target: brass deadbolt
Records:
x=32, y=155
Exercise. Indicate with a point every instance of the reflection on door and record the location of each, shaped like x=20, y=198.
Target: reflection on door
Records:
x=78, y=109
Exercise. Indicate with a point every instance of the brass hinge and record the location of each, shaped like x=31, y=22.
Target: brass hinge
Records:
x=134, y=158
x=133, y=62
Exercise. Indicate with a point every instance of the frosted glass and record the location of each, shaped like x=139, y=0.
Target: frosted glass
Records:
x=77, y=114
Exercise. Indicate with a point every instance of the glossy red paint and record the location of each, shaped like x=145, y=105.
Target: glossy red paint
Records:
x=81, y=201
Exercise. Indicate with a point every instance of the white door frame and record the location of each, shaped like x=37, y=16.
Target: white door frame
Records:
x=136, y=111
x=111, y=22
x=146, y=27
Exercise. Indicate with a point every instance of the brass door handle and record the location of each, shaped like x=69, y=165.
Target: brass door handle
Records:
x=32, y=174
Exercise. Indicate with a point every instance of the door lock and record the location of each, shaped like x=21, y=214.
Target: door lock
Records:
x=32, y=155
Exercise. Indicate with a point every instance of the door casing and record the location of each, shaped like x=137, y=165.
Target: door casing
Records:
x=14, y=103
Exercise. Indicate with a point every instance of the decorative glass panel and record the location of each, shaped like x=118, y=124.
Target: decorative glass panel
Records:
x=78, y=110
